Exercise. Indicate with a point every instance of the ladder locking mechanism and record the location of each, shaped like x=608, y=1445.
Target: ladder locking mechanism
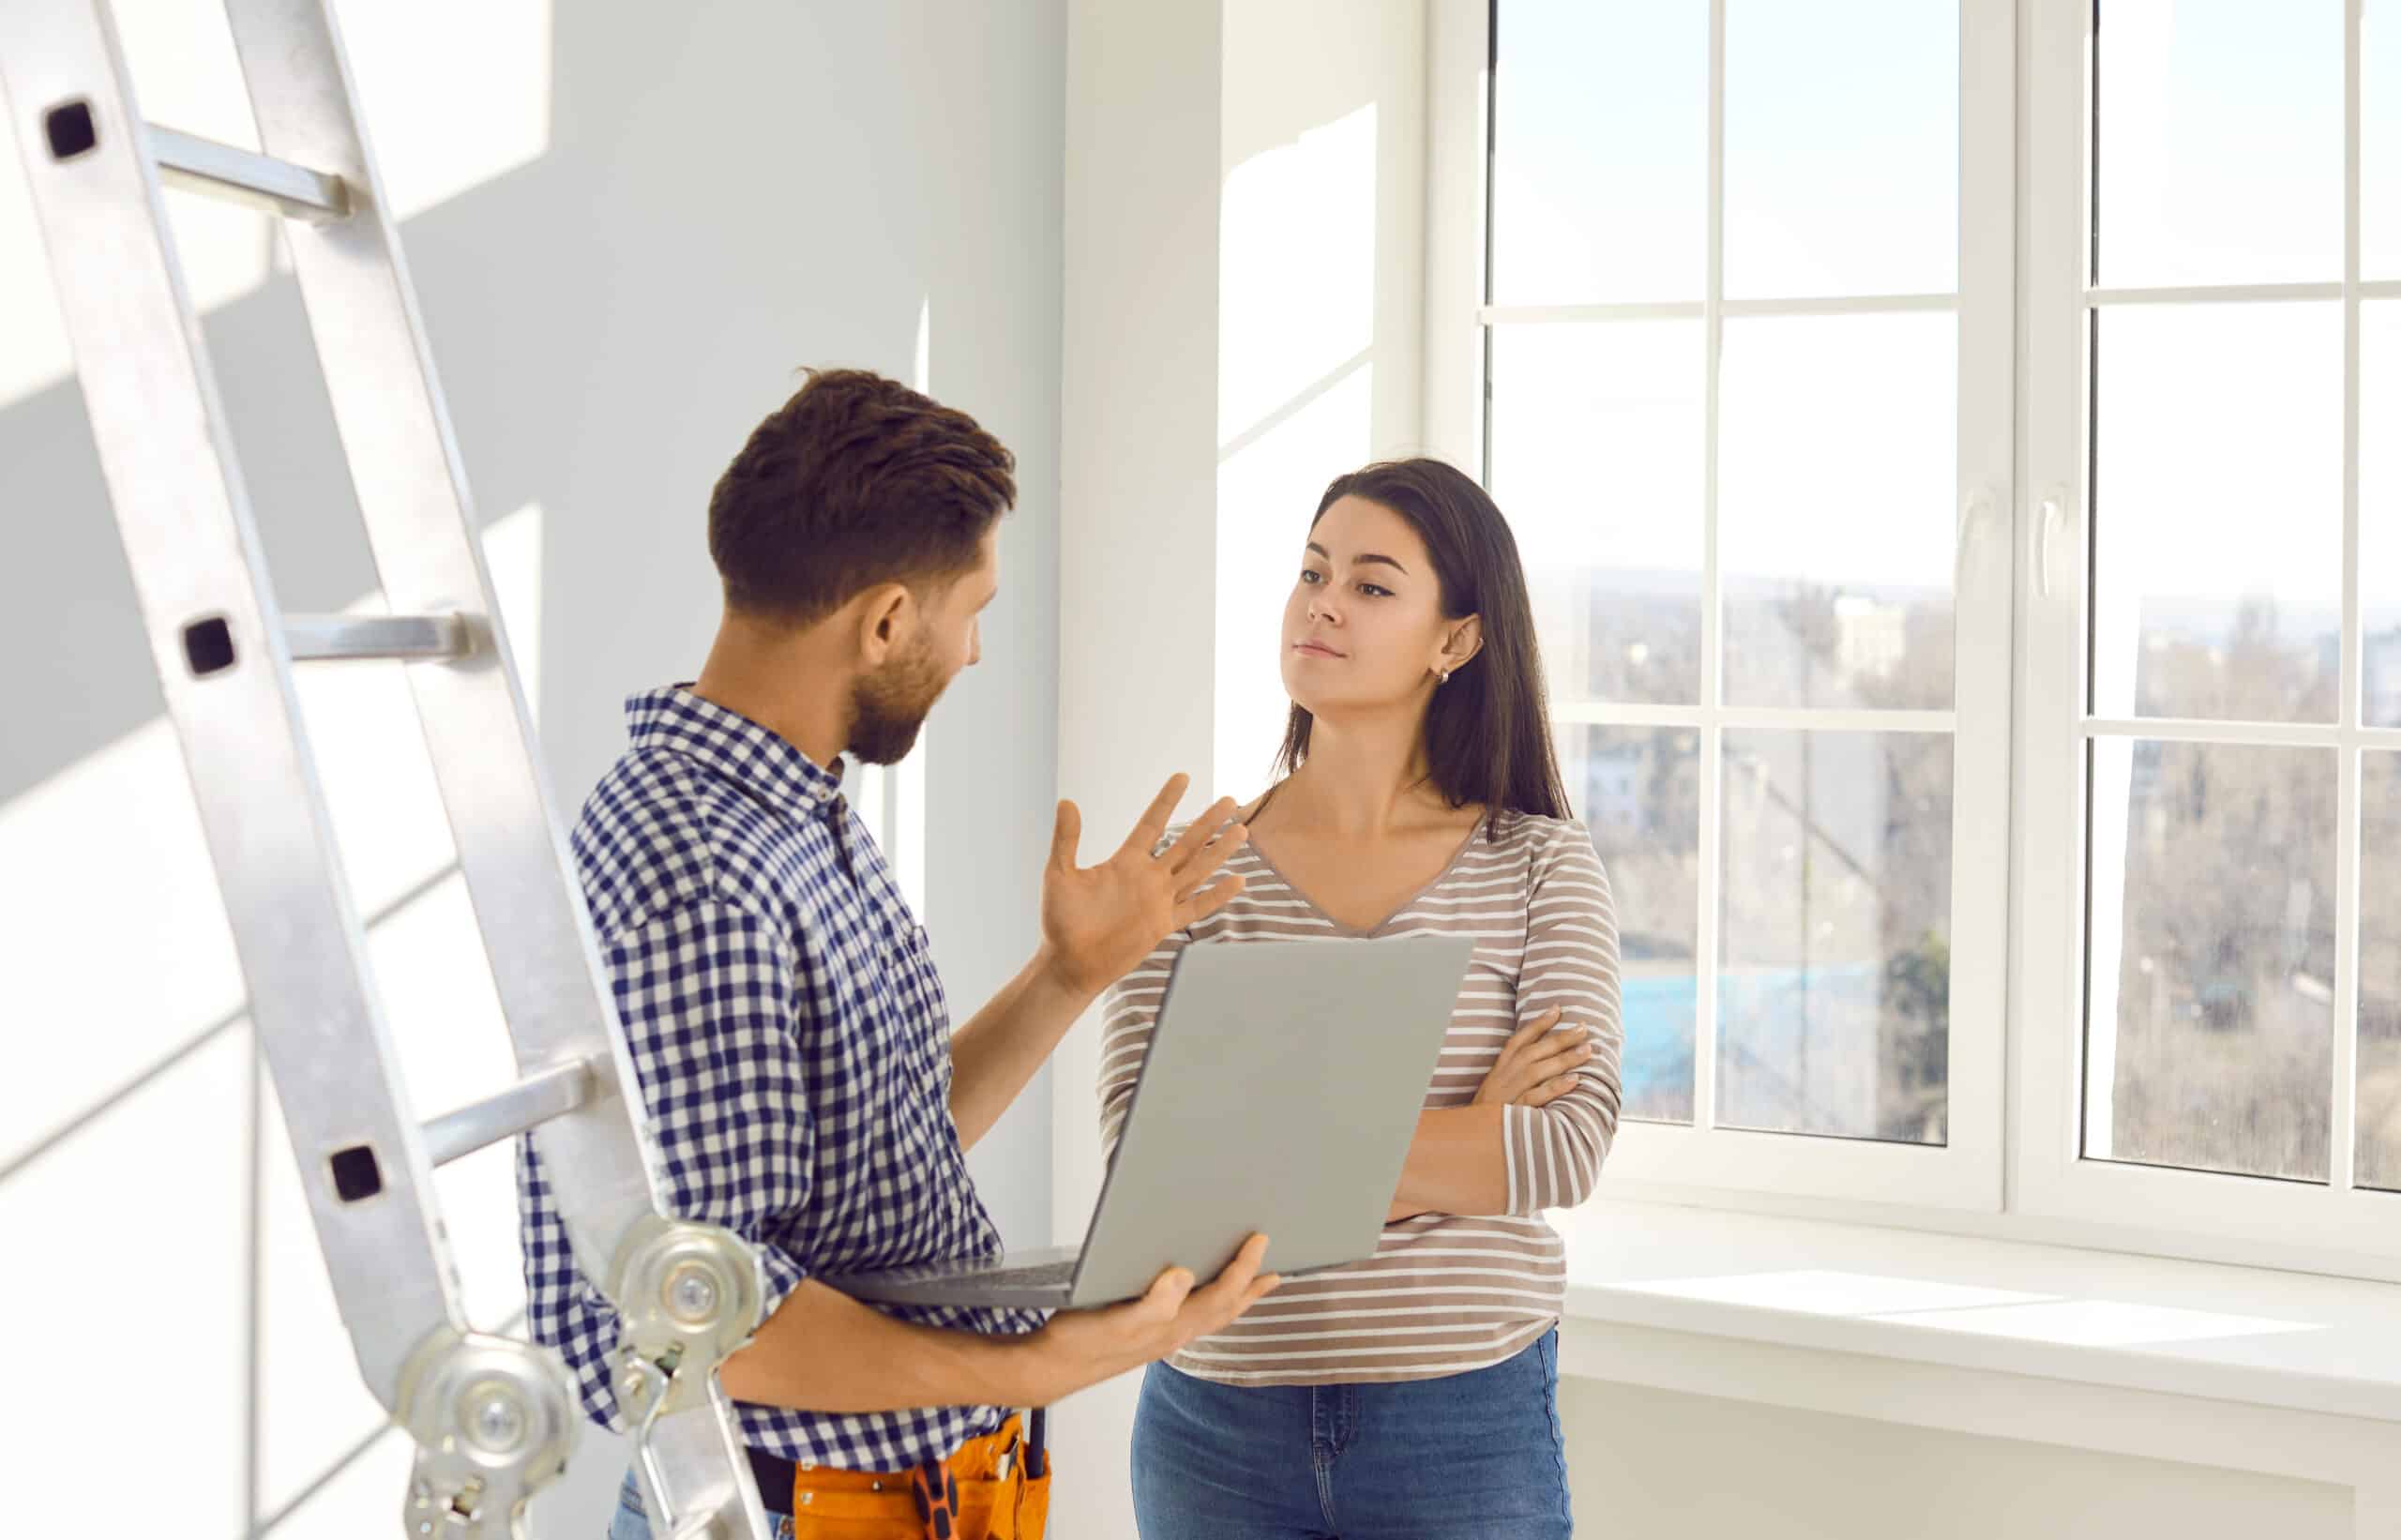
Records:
x=689, y=1296
x=494, y=1421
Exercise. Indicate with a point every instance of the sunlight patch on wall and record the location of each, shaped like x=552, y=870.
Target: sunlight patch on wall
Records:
x=455, y=94
x=1297, y=268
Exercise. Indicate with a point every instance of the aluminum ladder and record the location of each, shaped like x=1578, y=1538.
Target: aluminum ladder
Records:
x=494, y=1419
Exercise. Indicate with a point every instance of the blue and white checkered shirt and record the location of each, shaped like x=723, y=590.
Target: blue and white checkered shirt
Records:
x=793, y=1043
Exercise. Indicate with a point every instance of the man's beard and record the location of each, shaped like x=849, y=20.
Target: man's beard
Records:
x=888, y=707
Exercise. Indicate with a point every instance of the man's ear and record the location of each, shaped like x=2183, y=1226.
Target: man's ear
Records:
x=888, y=616
x=1464, y=641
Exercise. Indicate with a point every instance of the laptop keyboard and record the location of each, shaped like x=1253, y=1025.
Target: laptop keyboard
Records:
x=1039, y=1275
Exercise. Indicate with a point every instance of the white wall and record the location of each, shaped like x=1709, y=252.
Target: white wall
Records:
x=626, y=236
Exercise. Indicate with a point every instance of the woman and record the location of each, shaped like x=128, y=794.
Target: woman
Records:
x=1414, y=1393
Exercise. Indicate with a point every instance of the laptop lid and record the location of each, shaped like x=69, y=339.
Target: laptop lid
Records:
x=1280, y=1091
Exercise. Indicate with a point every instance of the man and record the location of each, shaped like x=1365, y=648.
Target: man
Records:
x=785, y=1020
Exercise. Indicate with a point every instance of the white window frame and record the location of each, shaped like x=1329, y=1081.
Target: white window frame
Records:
x=2050, y=1173
x=2013, y=1169
x=1965, y=1174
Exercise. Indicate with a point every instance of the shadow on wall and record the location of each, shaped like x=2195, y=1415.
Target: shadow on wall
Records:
x=640, y=288
x=625, y=241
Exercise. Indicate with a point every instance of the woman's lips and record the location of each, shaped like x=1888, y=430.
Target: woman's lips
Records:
x=1317, y=649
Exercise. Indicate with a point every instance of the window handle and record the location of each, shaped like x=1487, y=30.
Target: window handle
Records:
x=2053, y=513
x=1971, y=518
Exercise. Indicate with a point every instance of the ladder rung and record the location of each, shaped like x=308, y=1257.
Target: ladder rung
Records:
x=246, y=176
x=407, y=638
x=528, y=1103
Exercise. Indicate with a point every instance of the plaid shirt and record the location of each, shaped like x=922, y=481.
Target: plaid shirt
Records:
x=794, y=1048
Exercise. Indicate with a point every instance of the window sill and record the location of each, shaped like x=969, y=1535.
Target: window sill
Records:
x=2253, y=1336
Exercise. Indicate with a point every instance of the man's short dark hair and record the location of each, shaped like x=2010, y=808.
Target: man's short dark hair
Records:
x=857, y=480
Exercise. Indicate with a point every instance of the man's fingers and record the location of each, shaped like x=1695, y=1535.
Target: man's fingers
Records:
x=1167, y=1292
x=1236, y=1277
x=1153, y=823
x=1260, y=1287
x=1207, y=841
x=1065, y=834
x=1194, y=878
x=1201, y=905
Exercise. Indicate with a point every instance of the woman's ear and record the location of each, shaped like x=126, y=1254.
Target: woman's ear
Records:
x=1463, y=639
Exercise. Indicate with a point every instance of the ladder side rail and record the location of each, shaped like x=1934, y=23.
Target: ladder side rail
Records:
x=411, y=491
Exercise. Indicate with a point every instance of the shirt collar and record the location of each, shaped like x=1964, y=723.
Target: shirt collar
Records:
x=730, y=744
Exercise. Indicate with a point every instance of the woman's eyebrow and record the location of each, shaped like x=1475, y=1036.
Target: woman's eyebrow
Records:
x=1363, y=559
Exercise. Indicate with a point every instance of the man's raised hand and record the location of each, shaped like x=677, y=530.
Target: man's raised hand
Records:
x=1097, y=922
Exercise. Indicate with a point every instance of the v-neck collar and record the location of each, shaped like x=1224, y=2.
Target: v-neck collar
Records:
x=1356, y=932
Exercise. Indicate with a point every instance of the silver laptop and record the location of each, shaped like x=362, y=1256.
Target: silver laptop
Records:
x=1280, y=1094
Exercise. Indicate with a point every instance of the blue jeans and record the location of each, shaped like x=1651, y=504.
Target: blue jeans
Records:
x=1470, y=1456
x=633, y=1523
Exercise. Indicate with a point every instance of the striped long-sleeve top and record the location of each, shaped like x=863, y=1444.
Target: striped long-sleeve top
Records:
x=1445, y=1292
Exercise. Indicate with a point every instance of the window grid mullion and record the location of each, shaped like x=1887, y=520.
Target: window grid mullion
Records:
x=1707, y=947
x=2343, y=1133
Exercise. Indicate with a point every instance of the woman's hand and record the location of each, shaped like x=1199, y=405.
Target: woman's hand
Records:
x=1538, y=1065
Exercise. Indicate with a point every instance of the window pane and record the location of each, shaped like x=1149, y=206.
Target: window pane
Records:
x=1835, y=496
x=2380, y=140
x=1638, y=791
x=2219, y=141
x=2380, y=1074
x=2213, y=957
x=1596, y=456
x=1600, y=151
x=1842, y=147
x=2380, y=511
x=1834, y=1005
x=2218, y=511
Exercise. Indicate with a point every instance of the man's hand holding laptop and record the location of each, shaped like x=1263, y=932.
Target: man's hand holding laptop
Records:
x=1078, y=1348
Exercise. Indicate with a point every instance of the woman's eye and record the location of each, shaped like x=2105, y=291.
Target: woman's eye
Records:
x=1375, y=591
x=1308, y=576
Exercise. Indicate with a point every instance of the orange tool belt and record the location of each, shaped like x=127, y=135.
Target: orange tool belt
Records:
x=995, y=1487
